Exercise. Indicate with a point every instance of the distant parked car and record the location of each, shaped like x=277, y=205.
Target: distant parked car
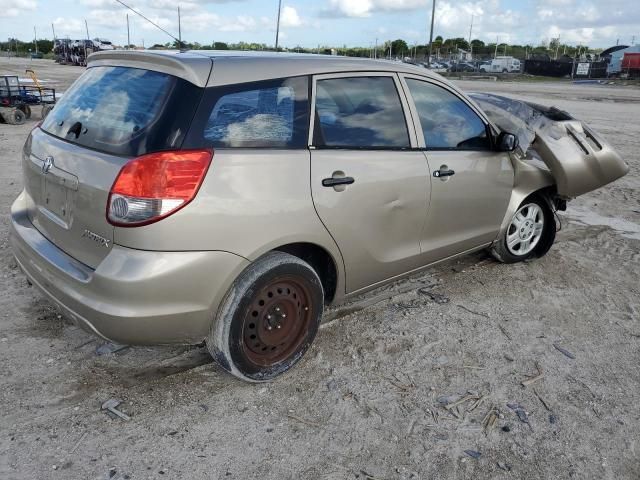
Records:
x=462, y=67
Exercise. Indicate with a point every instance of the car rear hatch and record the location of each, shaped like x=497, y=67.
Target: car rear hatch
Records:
x=110, y=115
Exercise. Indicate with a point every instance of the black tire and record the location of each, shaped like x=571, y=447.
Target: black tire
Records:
x=268, y=318
x=18, y=117
x=501, y=250
x=26, y=109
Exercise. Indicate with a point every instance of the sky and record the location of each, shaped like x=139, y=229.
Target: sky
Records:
x=310, y=23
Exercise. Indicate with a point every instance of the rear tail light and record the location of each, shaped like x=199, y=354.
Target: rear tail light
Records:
x=154, y=186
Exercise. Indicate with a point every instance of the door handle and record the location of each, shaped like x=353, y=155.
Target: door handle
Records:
x=335, y=181
x=443, y=173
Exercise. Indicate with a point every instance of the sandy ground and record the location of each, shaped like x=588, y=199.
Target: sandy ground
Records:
x=367, y=401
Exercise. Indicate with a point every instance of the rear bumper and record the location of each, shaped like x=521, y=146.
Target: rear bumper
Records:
x=134, y=297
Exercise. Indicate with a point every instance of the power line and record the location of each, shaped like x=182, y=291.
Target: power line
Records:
x=150, y=21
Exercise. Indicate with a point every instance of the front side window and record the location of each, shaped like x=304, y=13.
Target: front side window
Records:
x=271, y=114
x=447, y=122
x=359, y=112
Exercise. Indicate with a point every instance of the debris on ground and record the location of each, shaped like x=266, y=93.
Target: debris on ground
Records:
x=542, y=400
x=535, y=378
x=504, y=331
x=452, y=403
x=473, y=453
x=520, y=412
x=480, y=314
x=504, y=466
x=434, y=297
x=490, y=419
x=564, y=351
x=111, y=405
x=108, y=348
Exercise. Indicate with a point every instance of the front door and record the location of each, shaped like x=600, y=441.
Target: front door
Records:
x=370, y=189
x=471, y=182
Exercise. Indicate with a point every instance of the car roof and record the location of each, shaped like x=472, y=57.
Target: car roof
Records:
x=231, y=66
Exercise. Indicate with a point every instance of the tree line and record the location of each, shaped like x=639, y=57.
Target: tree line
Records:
x=442, y=48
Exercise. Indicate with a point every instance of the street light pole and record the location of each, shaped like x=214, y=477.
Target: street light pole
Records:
x=278, y=24
x=433, y=17
x=470, y=34
x=179, y=30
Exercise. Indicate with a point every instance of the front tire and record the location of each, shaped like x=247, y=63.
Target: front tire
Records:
x=530, y=233
x=268, y=318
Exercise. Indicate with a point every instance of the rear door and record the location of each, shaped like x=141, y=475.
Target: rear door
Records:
x=109, y=115
x=471, y=183
x=370, y=188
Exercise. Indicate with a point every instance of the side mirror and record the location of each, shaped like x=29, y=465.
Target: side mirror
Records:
x=507, y=142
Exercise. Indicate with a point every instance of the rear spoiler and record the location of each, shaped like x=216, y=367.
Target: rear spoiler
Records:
x=194, y=68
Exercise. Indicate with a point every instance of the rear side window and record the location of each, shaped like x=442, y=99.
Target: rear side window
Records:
x=359, y=112
x=447, y=122
x=269, y=114
x=126, y=111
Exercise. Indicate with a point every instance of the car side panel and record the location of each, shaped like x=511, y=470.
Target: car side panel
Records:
x=467, y=208
x=252, y=201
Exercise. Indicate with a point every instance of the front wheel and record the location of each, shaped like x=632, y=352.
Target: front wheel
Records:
x=268, y=319
x=530, y=233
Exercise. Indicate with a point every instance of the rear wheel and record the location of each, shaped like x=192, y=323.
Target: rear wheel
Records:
x=26, y=109
x=530, y=233
x=17, y=117
x=268, y=319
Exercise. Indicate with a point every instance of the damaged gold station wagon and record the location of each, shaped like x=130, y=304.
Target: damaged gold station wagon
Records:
x=228, y=197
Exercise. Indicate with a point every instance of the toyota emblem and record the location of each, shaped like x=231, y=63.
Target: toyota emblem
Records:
x=47, y=164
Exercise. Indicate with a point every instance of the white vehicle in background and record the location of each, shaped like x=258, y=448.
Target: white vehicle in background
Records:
x=502, y=65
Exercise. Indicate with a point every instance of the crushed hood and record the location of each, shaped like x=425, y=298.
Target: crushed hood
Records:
x=578, y=158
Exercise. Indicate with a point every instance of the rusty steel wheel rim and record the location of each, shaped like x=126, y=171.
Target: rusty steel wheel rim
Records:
x=277, y=321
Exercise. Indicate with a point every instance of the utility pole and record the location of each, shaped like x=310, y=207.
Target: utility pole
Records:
x=53, y=30
x=278, y=24
x=496, y=54
x=433, y=17
x=128, y=33
x=86, y=26
x=470, y=33
x=375, y=51
x=179, y=30
x=35, y=39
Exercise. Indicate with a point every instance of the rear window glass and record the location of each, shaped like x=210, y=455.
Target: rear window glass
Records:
x=360, y=112
x=270, y=114
x=116, y=109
